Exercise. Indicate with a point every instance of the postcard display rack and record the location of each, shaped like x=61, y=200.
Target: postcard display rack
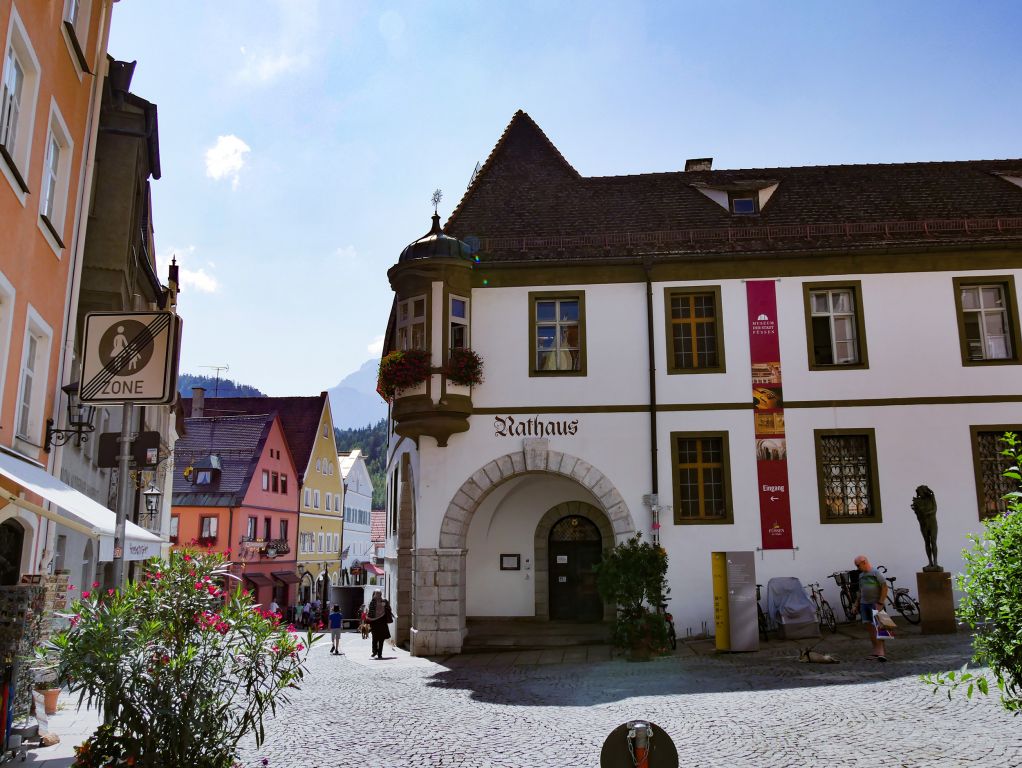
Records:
x=22, y=608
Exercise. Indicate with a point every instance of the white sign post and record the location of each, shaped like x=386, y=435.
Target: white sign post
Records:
x=128, y=358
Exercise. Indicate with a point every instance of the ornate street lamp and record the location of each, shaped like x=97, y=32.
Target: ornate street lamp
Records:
x=79, y=419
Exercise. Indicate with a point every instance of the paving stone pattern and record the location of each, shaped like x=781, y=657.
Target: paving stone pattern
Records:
x=555, y=708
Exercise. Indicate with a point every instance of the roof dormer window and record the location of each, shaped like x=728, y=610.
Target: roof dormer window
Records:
x=743, y=203
x=207, y=471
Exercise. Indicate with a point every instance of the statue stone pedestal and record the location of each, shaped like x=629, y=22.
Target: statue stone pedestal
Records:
x=936, y=603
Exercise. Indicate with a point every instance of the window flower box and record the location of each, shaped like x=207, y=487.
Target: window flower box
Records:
x=402, y=370
x=464, y=367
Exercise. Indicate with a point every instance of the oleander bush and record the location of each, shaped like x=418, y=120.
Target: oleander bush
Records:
x=182, y=664
x=992, y=601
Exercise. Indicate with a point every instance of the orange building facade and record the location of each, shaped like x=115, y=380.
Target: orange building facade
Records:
x=236, y=492
x=51, y=74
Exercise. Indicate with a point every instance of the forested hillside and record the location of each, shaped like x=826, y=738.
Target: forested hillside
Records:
x=214, y=388
x=372, y=441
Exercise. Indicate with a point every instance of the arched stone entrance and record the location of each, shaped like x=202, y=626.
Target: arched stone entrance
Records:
x=438, y=574
x=12, y=539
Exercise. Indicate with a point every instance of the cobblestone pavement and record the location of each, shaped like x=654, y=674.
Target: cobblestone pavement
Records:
x=556, y=708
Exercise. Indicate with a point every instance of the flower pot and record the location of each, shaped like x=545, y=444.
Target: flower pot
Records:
x=50, y=700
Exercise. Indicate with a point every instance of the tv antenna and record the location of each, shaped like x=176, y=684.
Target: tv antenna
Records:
x=217, y=368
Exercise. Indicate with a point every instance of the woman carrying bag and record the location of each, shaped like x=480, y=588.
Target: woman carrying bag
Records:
x=380, y=615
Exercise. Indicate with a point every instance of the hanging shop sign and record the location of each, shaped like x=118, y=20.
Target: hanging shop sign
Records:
x=768, y=402
x=532, y=426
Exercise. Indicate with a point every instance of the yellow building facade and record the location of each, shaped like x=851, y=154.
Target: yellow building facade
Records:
x=321, y=515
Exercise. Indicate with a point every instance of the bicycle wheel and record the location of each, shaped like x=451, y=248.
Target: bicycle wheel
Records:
x=848, y=606
x=828, y=619
x=908, y=607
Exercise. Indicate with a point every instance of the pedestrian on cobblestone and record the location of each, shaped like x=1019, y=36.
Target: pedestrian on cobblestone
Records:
x=380, y=616
x=336, y=620
x=872, y=593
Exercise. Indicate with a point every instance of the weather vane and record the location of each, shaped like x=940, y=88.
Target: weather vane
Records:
x=437, y=197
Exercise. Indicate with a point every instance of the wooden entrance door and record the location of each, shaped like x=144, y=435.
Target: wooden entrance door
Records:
x=576, y=547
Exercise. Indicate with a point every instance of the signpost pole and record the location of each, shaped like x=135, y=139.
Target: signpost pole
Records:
x=124, y=486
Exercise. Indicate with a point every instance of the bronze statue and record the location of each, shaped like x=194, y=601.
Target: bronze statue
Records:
x=924, y=504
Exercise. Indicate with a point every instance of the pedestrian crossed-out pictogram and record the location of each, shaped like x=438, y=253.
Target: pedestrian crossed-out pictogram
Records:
x=129, y=357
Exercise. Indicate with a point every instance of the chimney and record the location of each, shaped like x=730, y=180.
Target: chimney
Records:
x=198, y=401
x=699, y=164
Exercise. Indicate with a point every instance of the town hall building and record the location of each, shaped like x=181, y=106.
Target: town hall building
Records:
x=766, y=360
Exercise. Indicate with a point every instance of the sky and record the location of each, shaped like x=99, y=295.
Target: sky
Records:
x=300, y=140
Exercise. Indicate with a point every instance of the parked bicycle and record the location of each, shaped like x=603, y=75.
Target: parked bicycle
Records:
x=824, y=613
x=899, y=599
x=764, y=622
x=848, y=586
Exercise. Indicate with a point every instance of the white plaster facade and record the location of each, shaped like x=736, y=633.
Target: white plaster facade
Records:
x=473, y=502
x=358, y=500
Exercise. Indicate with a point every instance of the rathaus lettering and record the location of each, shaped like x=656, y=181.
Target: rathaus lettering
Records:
x=509, y=426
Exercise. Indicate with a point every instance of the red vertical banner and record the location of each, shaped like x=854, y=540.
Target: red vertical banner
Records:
x=767, y=397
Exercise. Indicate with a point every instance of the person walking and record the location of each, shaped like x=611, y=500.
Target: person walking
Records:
x=380, y=616
x=336, y=620
x=872, y=594
x=306, y=613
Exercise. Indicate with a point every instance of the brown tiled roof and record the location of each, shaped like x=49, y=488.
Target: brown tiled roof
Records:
x=378, y=528
x=527, y=202
x=237, y=440
x=299, y=417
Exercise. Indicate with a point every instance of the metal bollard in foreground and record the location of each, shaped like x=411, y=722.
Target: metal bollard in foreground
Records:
x=638, y=744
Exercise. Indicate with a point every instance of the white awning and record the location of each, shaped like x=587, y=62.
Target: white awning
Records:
x=77, y=511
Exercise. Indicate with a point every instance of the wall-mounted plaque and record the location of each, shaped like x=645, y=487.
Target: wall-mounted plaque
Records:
x=510, y=562
x=562, y=559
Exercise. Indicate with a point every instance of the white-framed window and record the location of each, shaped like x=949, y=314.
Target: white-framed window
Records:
x=266, y=479
x=411, y=323
x=330, y=465
x=76, y=32
x=337, y=542
x=321, y=542
x=35, y=360
x=308, y=497
x=55, y=179
x=329, y=502
x=458, y=308
x=326, y=430
x=19, y=91
x=315, y=499
x=319, y=465
x=834, y=325
x=986, y=320
x=7, y=294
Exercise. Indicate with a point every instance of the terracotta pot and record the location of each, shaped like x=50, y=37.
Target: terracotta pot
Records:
x=50, y=700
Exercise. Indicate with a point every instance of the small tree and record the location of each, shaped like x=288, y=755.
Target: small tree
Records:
x=992, y=601
x=181, y=669
x=633, y=577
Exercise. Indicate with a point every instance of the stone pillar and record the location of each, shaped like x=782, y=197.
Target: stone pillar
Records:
x=405, y=538
x=936, y=603
x=438, y=620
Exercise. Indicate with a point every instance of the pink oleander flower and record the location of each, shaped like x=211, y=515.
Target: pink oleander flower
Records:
x=85, y=595
x=95, y=585
x=110, y=592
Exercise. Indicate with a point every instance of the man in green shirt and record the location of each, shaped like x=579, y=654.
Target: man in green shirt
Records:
x=872, y=594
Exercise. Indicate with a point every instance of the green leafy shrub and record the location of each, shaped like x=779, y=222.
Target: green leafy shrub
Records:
x=182, y=669
x=633, y=577
x=992, y=601
x=401, y=369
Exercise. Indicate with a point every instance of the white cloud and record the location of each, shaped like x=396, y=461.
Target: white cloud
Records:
x=296, y=42
x=346, y=254
x=226, y=158
x=189, y=279
x=376, y=346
